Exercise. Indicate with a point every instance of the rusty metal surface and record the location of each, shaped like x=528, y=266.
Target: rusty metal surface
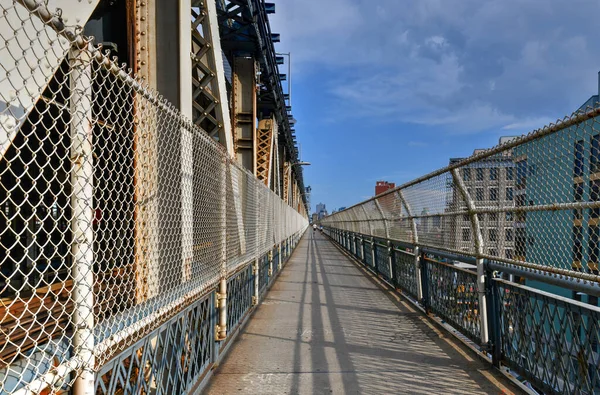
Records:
x=327, y=328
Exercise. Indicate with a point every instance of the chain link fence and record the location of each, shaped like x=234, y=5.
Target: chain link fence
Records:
x=532, y=202
x=116, y=212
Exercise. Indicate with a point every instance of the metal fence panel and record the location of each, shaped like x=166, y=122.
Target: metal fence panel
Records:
x=116, y=213
x=533, y=202
x=550, y=340
x=452, y=295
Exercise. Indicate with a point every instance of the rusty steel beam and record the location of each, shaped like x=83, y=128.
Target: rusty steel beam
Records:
x=267, y=129
x=244, y=111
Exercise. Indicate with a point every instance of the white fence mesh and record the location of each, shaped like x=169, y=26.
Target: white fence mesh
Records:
x=535, y=202
x=116, y=212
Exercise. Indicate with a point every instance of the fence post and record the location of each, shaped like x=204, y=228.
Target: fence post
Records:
x=362, y=249
x=494, y=311
x=390, y=250
x=373, y=255
x=279, y=260
x=256, y=273
x=415, y=236
x=479, y=245
x=270, y=263
x=424, y=281
x=82, y=181
x=222, y=306
x=418, y=272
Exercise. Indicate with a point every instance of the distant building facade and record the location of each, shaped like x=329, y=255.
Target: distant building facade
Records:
x=567, y=171
x=490, y=183
x=321, y=211
x=382, y=186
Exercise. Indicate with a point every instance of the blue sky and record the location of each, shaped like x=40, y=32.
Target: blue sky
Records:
x=392, y=89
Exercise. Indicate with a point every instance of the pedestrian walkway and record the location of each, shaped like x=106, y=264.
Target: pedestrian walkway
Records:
x=326, y=327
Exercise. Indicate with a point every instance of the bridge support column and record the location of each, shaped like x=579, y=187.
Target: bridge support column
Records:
x=222, y=303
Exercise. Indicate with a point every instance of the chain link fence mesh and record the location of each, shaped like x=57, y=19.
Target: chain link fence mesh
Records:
x=116, y=212
x=533, y=201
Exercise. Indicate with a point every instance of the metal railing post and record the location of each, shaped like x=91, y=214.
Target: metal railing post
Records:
x=362, y=249
x=222, y=308
x=415, y=235
x=494, y=311
x=270, y=263
x=279, y=260
x=424, y=281
x=418, y=273
x=82, y=181
x=256, y=273
x=390, y=251
x=479, y=244
x=373, y=255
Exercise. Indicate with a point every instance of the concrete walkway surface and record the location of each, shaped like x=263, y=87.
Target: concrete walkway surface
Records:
x=326, y=327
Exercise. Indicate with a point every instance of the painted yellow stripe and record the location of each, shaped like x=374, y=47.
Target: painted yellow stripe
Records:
x=450, y=342
x=494, y=381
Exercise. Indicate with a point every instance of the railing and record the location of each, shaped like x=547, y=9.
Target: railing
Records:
x=119, y=218
x=527, y=210
x=550, y=341
x=530, y=205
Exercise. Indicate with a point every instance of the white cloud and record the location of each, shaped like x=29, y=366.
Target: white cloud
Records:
x=462, y=65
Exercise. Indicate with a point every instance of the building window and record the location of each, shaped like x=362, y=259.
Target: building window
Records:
x=520, y=201
x=466, y=174
x=520, y=243
x=509, y=174
x=479, y=174
x=508, y=232
x=493, y=173
x=577, y=245
x=493, y=234
x=594, y=154
x=466, y=234
x=479, y=194
x=578, y=165
x=521, y=174
x=509, y=216
x=466, y=217
x=508, y=253
x=509, y=194
x=494, y=194
x=493, y=252
x=594, y=197
x=493, y=217
x=578, y=197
